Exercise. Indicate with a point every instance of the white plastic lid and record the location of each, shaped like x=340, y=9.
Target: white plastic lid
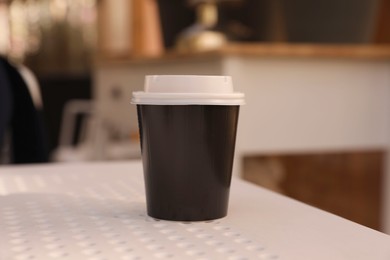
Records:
x=188, y=90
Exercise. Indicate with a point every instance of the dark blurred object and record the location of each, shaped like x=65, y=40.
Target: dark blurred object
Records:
x=240, y=20
x=306, y=21
x=175, y=15
x=252, y=20
x=28, y=140
x=62, y=51
x=5, y=102
x=57, y=90
x=330, y=21
x=383, y=28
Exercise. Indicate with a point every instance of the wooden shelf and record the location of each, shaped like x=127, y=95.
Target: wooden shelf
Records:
x=310, y=50
x=374, y=52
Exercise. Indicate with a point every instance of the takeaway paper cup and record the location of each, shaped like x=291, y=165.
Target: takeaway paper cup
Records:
x=188, y=130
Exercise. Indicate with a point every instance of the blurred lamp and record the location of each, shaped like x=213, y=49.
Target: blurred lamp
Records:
x=202, y=35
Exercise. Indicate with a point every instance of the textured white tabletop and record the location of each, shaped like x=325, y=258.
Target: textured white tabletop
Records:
x=97, y=211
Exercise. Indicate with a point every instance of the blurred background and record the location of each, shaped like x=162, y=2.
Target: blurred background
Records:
x=316, y=74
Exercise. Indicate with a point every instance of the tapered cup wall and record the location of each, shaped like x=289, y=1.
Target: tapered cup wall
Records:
x=187, y=153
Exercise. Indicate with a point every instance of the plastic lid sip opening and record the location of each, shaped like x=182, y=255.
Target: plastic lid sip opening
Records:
x=188, y=90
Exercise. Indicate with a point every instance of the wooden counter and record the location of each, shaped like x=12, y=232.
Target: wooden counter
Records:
x=377, y=52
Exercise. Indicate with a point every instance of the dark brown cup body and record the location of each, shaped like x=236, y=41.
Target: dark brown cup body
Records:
x=187, y=154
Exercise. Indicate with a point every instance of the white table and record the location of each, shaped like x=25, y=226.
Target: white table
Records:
x=97, y=211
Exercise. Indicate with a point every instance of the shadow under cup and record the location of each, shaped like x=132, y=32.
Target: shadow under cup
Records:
x=187, y=153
